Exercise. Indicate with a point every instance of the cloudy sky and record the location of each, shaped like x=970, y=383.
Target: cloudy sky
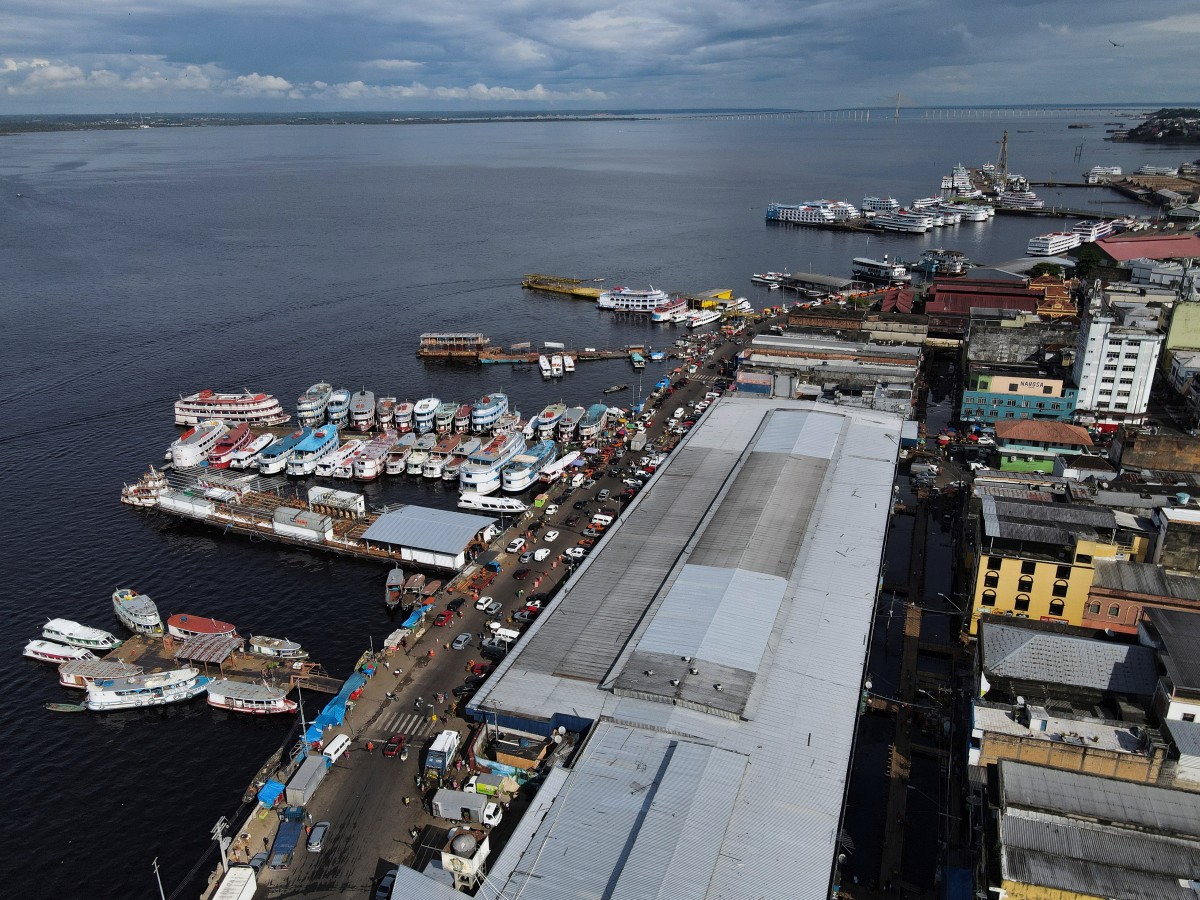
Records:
x=297, y=55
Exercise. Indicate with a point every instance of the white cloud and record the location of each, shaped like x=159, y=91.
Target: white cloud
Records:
x=1054, y=29
x=255, y=85
x=393, y=65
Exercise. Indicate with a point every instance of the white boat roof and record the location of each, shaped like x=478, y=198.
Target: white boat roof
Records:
x=66, y=626
x=244, y=690
x=100, y=668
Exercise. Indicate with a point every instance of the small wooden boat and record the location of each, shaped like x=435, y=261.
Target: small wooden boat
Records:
x=66, y=707
x=431, y=588
x=395, y=588
x=616, y=388
x=414, y=584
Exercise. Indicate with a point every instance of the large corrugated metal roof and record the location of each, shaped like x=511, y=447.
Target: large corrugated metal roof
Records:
x=1145, y=578
x=1179, y=631
x=801, y=694
x=423, y=528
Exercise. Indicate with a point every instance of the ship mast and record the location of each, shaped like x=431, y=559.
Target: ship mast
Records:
x=1002, y=163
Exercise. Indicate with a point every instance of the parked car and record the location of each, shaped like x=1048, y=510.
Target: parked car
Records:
x=581, y=504
x=541, y=554
x=456, y=604
x=384, y=889
x=604, y=494
x=522, y=574
x=550, y=537
x=395, y=744
x=493, y=609
x=462, y=641
x=463, y=691
x=574, y=553
x=484, y=602
x=443, y=618
x=589, y=483
x=572, y=521
x=526, y=615
x=316, y=837
x=525, y=557
x=516, y=545
x=551, y=509
x=259, y=861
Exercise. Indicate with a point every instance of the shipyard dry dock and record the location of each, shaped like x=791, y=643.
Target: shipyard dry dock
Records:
x=336, y=521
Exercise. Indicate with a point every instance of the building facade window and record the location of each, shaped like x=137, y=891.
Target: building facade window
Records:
x=994, y=562
x=1114, y=610
x=1028, y=567
x=1093, y=609
x=991, y=579
x=1056, y=607
x=1022, y=603
x=1084, y=559
x=988, y=599
x=1063, y=572
x=1025, y=583
x=1059, y=589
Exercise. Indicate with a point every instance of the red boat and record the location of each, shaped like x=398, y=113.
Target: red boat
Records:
x=184, y=626
x=231, y=443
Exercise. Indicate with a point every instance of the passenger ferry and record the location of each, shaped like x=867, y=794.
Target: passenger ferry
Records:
x=385, y=411
x=229, y=444
x=310, y=406
x=338, y=409
x=481, y=472
x=800, y=214
x=415, y=464
x=1020, y=200
x=342, y=456
x=544, y=365
x=902, y=222
x=443, y=417
x=192, y=447
x=593, y=421
x=247, y=457
x=974, y=212
x=257, y=409
x=880, y=204
x=462, y=418
x=548, y=419
x=404, y=415
x=245, y=697
x=488, y=409
x=275, y=458
x=441, y=453
x=880, y=271
x=525, y=467
x=397, y=457
x=552, y=472
x=510, y=421
x=362, y=410
x=146, y=491
x=702, y=317
x=556, y=365
x=1092, y=231
x=1052, y=244
x=137, y=612
x=80, y=673
x=423, y=414
x=184, y=626
x=371, y=461
x=625, y=299
x=52, y=652
x=277, y=648
x=568, y=363
x=137, y=691
x=665, y=311
x=569, y=423
x=64, y=631
x=312, y=450
x=508, y=506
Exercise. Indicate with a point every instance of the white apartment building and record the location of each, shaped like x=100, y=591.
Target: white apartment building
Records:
x=1119, y=343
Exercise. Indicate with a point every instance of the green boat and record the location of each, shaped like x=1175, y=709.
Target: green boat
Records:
x=66, y=707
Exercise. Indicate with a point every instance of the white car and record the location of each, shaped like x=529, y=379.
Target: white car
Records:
x=986, y=440
x=575, y=553
x=551, y=509
x=516, y=545
x=550, y=537
x=484, y=602
x=541, y=554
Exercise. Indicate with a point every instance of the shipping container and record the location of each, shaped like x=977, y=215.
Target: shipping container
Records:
x=306, y=780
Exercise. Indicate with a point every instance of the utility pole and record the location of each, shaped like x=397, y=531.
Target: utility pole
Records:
x=158, y=878
x=223, y=842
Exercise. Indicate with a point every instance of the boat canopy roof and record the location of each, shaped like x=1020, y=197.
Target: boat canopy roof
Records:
x=208, y=648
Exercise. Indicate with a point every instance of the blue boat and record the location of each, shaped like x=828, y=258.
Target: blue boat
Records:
x=487, y=410
x=275, y=458
x=525, y=467
x=312, y=450
x=338, y=409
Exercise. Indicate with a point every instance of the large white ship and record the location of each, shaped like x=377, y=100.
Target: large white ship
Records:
x=156, y=689
x=1052, y=244
x=481, y=472
x=275, y=458
x=487, y=410
x=310, y=406
x=1092, y=231
x=192, y=447
x=702, y=317
x=1020, y=200
x=507, y=505
x=592, y=422
x=880, y=271
x=800, y=214
x=257, y=409
x=523, y=470
x=898, y=221
x=310, y=451
x=664, y=312
x=371, y=462
x=64, y=631
x=880, y=204
x=635, y=300
x=423, y=414
x=344, y=455
x=362, y=410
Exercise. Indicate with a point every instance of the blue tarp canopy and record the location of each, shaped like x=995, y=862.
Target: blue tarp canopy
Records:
x=334, y=712
x=416, y=615
x=269, y=793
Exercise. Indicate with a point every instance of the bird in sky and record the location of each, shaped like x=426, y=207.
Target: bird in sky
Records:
x=1114, y=43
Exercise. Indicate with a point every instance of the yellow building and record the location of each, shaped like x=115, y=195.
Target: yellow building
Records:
x=1036, y=560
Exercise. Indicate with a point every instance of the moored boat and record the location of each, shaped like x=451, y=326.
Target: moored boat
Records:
x=208, y=405
x=444, y=415
x=594, y=419
x=146, y=491
x=310, y=406
x=487, y=410
x=404, y=415
x=568, y=363
x=137, y=691
x=338, y=409
x=568, y=424
x=556, y=365
x=523, y=470
x=385, y=411
x=82, y=672
x=397, y=457
x=462, y=418
x=551, y=472
x=394, y=588
x=506, y=505
x=1092, y=231
x=342, y=456
x=481, y=472
x=634, y=300
x=56, y=653
x=191, y=448
x=275, y=458
x=548, y=419
x=186, y=626
x=415, y=464
x=429, y=588
x=247, y=697
x=247, y=457
x=229, y=444
x=1052, y=244
x=362, y=410
x=310, y=451
x=371, y=462
x=64, y=631
x=544, y=365
x=702, y=317
x=414, y=584
x=276, y=648
x=423, y=413
x=666, y=310
x=137, y=612
x=876, y=271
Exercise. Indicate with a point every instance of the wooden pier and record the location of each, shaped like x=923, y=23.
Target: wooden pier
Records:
x=555, y=284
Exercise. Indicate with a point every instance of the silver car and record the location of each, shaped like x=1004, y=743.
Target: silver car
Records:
x=316, y=837
x=462, y=641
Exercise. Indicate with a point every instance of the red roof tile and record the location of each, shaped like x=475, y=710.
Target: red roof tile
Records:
x=1124, y=247
x=1027, y=430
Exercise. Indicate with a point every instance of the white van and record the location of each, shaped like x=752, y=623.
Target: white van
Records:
x=600, y=519
x=678, y=414
x=335, y=748
x=578, y=479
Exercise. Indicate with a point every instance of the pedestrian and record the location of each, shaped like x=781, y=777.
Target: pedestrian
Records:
x=433, y=718
x=458, y=612
x=407, y=800
x=266, y=844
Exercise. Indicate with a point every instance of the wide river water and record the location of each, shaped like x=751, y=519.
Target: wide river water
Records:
x=141, y=265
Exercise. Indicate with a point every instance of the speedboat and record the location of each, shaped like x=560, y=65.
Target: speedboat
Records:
x=137, y=612
x=52, y=652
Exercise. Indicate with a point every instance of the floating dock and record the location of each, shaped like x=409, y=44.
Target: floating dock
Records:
x=573, y=287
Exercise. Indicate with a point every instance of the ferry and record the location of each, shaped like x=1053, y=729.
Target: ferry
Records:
x=423, y=413
x=593, y=421
x=1092, y=231
x=338, y=409
x=1020, y=200
x=440, y=455
x=310, y=451
x=343, y=470
x=156, y=689
x=544, y=365
x=451, y=469
x=229, y=444
x=548, y=419
x=137, y=612
x=800, y=214
x=510, y=421
x=481, y=472
x=342, y=456
x=637, y=360
x=362, y=410
x=556, y=365
x=246, y=697
x=880, y=204
x=146, y=491
x=664, y=311
x=275, y=458
x=880, y=271
x=393, y=591
x=462, y=418
x=82, y=672
x=488, y=409
x=568, y=363
x=404, y=415
x=415, y=464
x=247, y=457
x=277, y=648
x=702, y=317
x=525, y=467
x=925, y=203
x=397, y=457
x=443, y=417
x=1102, y=174
x=552, y=472
x=385, y=411
x=310, y=406
x=942, y=262
x=371, y=461
x=625, y=299
x=569, y=423
x=52, y=652
x=508, y=506
x=901, y=222
x=1052, y=244
x=184, y=626
x=257, y=409
x=974, y=212
x=64, y=631
x=192, y=447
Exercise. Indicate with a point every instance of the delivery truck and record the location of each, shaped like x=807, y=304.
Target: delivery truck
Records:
x=291, y=829
x=306, y=780
x=461, y=806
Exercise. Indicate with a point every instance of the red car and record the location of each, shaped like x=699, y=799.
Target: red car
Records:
x=443, y=618
x=395, y=745
x=519, y=575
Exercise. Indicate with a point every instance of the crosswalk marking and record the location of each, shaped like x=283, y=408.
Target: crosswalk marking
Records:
x=409, y=723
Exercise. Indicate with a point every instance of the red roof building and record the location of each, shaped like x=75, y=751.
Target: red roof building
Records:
x=1124, y=247
x=950, y=301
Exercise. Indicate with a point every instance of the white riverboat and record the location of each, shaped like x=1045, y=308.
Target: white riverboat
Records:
x=1052, y=244
x=635, y=300
x=246, y=697
x=53, y=652
x=800, y=214
x=404, y=415
x=509, y=506
x=523, y=470
x=310, y=406
x=544, y=365
x=1020, y=200
x=371, y=462
x=903, y=222
x=275, y=458
x=309, y=452
x=423, y=413
x=362, y=410
x=880, y=204
x=192, y=447
x=397, y=457
x=207, y=405
x=247, y=457
x=880, y=271
x=481, y=472
x=1090, y=232
x=416, y=462
x=338, y=409
x=82, y=672
x=569, y=423
x=146, y=491
x=137, y=612
x=487, y=409
x=64, y=631
x=277, y=648
x=342, y=456
x=139, y=691
x=701, y=317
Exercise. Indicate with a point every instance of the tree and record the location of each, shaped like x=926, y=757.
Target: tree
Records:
x=1087, y=261
x=1046, y=268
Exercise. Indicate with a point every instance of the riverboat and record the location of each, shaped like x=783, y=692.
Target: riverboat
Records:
x=191, y=448
x=523, y=470
x=137, y=612
x=310, y=406
x=882, y=271
x=371, y=461
x=64, y=631
x=569, y=423
x=342, y=456
x=138, y=691
x=208, y=405
x=146, y=491
x=487, y=410
x=247, y=457
x=246, y=697
x=309, y=452
x=53, y=652
x=423, y=413
x=185, y=626
x=443, y=417
x=338, y=409
x=635, y=300
x=82, y=672
x=275, y=458
x=1052, y=244
x=385, y=411
x=481, y=472
x=277, y=648
x=229, y=444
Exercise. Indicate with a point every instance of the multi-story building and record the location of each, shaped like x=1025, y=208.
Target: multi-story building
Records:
x=1033, y=446
x=1119, y=344
x=1036, y=559
x=1122, y=592
x=995, y=393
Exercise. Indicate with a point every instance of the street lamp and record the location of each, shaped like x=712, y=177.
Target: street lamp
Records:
x=951, y=602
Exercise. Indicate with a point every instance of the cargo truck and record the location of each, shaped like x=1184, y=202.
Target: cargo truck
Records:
x=239, y=883
x=291, y=829
x=306, y=780
x=461, y=806
x=441, y=755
